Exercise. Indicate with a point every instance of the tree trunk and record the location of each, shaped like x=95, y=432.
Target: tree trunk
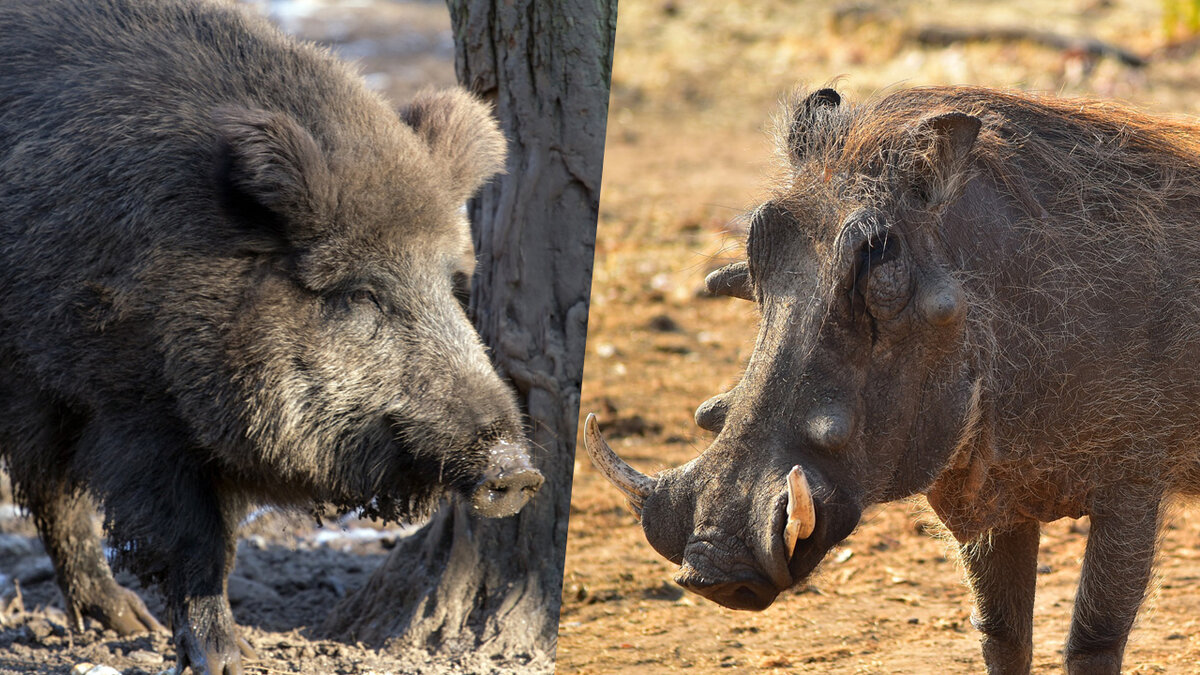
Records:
x=489, y=591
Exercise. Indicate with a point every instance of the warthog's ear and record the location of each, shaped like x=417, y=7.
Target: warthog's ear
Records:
x=270, y=172
x=945, y=141
x=461, y=131
x=805, y=122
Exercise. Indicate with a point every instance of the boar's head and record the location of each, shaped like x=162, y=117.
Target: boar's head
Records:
x=349, y=372
x=861, y=376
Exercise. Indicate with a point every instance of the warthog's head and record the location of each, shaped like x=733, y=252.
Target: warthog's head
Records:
x=859, y=383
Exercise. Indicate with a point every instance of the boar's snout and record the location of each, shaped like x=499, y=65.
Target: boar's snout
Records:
x=509, y=482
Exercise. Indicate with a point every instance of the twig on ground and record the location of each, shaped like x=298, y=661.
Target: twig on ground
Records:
x=947, y=35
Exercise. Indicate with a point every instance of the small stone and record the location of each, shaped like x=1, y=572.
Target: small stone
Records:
x=663, y=323
x=40, y=628
x=145, y=656
x=16, y=545
x=92, y=669
x=242, y=590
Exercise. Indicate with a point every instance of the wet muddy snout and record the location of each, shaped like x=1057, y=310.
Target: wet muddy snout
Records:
x=509, y=482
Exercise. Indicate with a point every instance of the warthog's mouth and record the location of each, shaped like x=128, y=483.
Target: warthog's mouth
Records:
x=741, y=586
x=508, y=483
x=749, y=550
x=734, y=577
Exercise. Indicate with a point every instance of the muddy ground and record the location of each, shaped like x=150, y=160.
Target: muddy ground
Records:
x=289, y=573
x=694, y=83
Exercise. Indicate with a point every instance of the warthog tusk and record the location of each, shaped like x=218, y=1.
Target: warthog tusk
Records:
x=635, y=484
x=801, y=516
x=732, y=280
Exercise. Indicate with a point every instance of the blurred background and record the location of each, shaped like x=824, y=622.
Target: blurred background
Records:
x=400, y=46
x=695, y=83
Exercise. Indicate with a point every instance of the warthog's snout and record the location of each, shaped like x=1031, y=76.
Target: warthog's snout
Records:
x=740, y=589
x=509, y=482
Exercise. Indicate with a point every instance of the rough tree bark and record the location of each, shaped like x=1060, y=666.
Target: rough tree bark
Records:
x=493, y=588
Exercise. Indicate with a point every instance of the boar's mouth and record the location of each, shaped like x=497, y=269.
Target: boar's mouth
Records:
x=788, y=538
x=495, y=475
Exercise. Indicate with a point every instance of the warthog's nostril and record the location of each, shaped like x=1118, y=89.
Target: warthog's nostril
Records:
x=744, y=590
x=745, y=596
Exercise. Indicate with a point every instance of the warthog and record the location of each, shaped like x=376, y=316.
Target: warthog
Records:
x=986, y=297
x=229, y=274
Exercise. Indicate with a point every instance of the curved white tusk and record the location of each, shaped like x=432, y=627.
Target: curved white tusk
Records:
x=635, y=484
x=801, y=516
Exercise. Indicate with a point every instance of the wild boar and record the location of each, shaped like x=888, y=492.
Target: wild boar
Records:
x=985, y=297
x=230, y=274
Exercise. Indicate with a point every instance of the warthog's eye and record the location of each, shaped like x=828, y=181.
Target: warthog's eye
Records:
x=881, y=281
x=879, y=249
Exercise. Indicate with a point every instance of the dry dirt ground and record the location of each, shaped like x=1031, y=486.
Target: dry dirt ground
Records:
x=694, y=83
x=289, y=573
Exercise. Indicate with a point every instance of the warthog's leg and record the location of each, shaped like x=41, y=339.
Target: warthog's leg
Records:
x=1112, y=584
x=1002, y=570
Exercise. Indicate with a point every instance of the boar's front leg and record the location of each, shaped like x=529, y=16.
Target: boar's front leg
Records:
x=179, y=530
x=1002, y=569
x=198, y=563
x=64, y=520
x=38, y=462
x=1112, y=583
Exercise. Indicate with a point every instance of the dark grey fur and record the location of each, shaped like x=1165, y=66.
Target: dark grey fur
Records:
x=228, y=274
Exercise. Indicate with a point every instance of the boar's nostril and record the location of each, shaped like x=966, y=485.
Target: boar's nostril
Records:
x=507, y=486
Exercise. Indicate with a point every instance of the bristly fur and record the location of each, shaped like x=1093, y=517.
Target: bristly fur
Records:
x=986, y=297
x=228, y=275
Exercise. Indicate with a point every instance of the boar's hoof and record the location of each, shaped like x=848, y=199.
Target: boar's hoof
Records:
x=509, y=482
x=218, y=657
x=743, y=590
x=118, y=609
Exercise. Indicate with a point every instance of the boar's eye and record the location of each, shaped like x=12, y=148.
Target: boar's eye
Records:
x=363, y=296
x=462, y=289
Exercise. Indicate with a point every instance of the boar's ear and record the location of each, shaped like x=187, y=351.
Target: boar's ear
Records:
x=804, y=121
x=271, y=173
x=461, y=132
x=945, y=142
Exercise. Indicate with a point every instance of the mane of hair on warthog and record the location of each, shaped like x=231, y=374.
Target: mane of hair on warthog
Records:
x=987, y=297
x=230, y=274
